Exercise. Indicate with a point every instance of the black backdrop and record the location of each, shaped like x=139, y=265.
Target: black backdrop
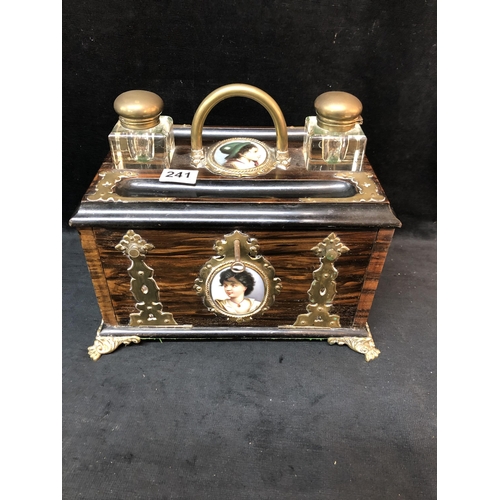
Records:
x=384, y=52
x=248, y=420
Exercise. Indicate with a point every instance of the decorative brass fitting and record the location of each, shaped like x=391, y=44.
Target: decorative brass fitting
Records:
x=142, y=284
x=323, y=288
x=363, y=345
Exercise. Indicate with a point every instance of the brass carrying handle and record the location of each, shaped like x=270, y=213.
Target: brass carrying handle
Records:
x=239, y=90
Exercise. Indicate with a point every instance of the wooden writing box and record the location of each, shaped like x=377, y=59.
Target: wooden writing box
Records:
x=159, y=254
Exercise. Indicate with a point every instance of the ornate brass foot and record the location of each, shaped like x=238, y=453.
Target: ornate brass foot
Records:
x=363, y=345
x=105, y=345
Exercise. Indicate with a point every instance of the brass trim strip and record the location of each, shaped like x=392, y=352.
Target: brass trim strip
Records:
x=106, y=185
x=365, y=185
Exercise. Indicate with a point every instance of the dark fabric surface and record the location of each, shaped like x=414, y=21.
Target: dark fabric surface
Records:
x=256, y=419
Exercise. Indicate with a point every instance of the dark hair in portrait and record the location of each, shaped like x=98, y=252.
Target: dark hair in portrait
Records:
x=244, y=277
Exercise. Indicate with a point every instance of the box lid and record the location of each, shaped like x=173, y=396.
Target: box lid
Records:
x=294, y=197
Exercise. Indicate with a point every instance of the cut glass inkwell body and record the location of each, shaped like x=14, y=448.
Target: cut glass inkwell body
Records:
x=142, y=138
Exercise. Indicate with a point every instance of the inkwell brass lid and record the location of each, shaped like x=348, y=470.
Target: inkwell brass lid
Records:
x=139, y=109
x=338, y=111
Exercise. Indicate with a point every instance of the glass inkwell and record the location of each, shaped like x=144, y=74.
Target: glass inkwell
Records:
x=333, y=138
x=142, y=138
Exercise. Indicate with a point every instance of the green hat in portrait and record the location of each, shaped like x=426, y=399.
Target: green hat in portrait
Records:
x=231, y=149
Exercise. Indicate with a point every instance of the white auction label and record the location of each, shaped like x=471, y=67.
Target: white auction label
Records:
x=179, y=176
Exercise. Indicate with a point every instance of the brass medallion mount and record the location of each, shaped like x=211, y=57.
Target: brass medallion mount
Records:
x=238, y=282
